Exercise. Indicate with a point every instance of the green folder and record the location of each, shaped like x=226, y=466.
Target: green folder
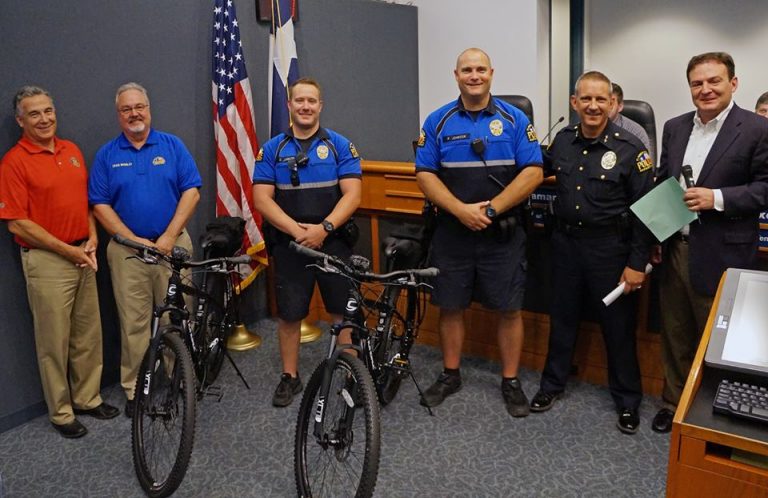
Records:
x=663, y=210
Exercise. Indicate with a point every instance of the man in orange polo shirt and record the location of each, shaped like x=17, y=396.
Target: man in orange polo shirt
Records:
x=44, y=198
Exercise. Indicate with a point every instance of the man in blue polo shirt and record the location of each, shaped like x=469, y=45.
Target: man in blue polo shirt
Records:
x=477, y=160
x=143, y=185
x=307, y=184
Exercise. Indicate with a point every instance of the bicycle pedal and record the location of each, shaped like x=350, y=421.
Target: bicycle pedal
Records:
x=215, y=391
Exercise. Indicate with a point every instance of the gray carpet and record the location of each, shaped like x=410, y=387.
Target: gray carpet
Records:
x=470, y=448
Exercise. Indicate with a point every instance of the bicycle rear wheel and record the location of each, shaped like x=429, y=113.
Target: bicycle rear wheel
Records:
x=344, y=461
x=215, y=331
x=388, y=349
x=163, y=425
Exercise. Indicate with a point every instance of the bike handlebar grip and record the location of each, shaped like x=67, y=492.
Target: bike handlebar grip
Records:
x=127, y=242
x=306, y=251
x=429, y=272
x=243, y=259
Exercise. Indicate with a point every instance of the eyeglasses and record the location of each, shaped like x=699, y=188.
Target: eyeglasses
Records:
x=127, y=111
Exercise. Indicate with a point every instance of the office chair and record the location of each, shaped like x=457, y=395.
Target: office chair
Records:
x=642, y=112
x=521, y=102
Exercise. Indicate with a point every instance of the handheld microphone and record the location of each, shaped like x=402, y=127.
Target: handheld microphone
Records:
x=560, y=120
x=688, y=176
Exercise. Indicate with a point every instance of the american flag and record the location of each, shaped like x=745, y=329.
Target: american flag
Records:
x=284, y=69
x=233, y=127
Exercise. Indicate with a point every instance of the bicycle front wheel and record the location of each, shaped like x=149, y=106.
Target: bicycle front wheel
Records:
x=163, y=426
x=343, y=459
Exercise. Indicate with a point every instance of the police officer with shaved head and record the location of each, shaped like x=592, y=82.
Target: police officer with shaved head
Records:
x=477, y=160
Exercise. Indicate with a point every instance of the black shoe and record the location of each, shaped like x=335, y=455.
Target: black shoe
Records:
x=444, y=386
x=543, y=401
x=629, y=421
x=662, y=422
x=129, y=408
x=514, y=398
x=286, y=390
x=101, y=412
x=72, y=430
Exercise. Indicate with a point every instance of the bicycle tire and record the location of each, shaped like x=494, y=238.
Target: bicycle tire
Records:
x=215, y=330
x=163, y=424
x=346, y=467
x=388, y=381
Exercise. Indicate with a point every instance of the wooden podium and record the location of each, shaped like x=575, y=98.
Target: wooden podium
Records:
x=714, y=455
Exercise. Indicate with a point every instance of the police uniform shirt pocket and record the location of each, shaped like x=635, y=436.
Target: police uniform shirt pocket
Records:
x=604, y=184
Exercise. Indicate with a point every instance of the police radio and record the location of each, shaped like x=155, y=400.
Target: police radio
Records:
x=478, y=147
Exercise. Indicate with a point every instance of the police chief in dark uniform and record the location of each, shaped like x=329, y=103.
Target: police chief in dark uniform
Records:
x=597, y=243
x=477, y=159
x=306, y=184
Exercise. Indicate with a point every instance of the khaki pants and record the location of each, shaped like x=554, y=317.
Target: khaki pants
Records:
x=137, y=287
x=682, y=320
x=65, y=309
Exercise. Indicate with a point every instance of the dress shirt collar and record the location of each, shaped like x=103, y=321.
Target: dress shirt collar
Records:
x=717, y=122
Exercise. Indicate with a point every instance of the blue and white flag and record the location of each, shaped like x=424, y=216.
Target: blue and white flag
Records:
x=285, y=68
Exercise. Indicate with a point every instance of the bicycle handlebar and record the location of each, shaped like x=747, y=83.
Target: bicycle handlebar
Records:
x=346, y=269
x=180, y=257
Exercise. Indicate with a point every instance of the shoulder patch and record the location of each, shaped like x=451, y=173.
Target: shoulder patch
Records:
x=531, y=132
x=353, y=150
x=644, y=161
x=422, y=139
x=260, y=155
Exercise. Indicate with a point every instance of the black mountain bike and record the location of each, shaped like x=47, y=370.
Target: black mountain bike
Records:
x=184, y=357
x=337, y=442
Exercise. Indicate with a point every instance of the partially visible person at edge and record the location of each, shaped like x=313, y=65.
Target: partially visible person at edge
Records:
x=727, y=149
x=761, y=106
x=478, y=159
x=144, y=185
x=44, y=199
x=630, y=125
x=307, y=184
x=597, y=243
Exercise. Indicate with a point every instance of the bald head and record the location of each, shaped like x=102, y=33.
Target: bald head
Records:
x=473, y=52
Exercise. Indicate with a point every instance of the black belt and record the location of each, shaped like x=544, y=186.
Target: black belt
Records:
x=155, y=239
x=587, y=231
x=76, y=243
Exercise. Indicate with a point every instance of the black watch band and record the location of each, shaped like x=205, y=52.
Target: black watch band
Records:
x=328, y=226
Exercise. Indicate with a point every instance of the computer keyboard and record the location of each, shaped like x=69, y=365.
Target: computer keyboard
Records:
x=742, y=400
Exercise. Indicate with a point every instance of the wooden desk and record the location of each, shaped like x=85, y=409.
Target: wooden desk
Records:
x=390, y=196
x=701, y=453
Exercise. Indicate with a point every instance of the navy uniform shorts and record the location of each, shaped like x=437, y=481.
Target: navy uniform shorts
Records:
x=477, y=266
x=294, y=282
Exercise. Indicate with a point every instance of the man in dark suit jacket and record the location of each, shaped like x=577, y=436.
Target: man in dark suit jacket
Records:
x=727, y=148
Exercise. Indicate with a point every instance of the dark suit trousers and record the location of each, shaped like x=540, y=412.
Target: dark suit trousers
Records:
x=684, y=314
x=584, y=270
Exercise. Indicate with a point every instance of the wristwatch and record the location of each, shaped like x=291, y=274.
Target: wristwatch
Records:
x=490, y=212
x=328, y=226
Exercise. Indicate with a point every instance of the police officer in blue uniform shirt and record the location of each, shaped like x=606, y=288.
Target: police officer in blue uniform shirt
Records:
x=477, y=160
x=601, y=169
x=307, y=184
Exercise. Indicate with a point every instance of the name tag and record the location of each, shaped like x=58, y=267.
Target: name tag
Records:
x=453, y=138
